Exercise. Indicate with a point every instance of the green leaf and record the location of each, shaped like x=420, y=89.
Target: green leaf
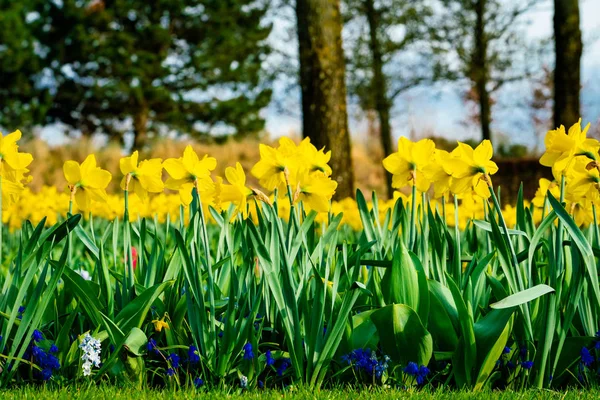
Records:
x=523, y=297
x=402, y=335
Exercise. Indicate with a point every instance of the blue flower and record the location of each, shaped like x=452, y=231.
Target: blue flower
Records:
x=523, y=353
x=53, y=349
x=46, y=374
x=151, y=346
x=170, y=372
x=193, y=355
x=248, y=353
x=422, y=374
x=0, y=338
x=510, y=365
x=527, y=364
x=174, y=360
x=411, y=369
x=261, y=384
x=20, y=312
x=586, y=358
x=506, y=350
x=596, y=345
x=37, y=336
x=285, y=364
x=270, y=359
x=198, y=382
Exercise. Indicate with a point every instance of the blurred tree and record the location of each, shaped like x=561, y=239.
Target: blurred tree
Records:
x=567, y=71
x=322, y=74
x=143, y=68
x=24, y=99
x=388, y=57
x=479, y=40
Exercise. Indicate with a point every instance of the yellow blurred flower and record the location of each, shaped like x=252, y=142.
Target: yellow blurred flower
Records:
x=143, y=178
x=542, y=191
x=407, y=165
x=87, y=181
x=188, y=172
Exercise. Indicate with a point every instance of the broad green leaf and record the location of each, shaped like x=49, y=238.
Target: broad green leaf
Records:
x=402, y=334
x=523, y=297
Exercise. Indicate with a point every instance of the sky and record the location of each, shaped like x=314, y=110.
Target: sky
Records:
x=441, y=110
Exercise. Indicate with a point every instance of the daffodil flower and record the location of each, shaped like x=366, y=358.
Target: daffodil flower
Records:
x=439, y=172
x=143, y=178
x=87, y=181
x=472, y=168
x=562, y=148
x=271, y=169
x=159, y=324
x=10, y=155
x=313, y=189
x=545, y=186
x=190, y=172
x=236, y=192
x=407, y=165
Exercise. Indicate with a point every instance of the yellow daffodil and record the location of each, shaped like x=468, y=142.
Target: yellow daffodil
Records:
x=273, y=163
x=583, y=177
x=87, y=181
x=10, y=155
x=562, y=148
x=188, y=172
x=143, y=178
x=315, y=160
x=407, y=165
x=472, y=168
x=236, y=192
x=159, y=324
x=276, y=165
x=313, y=189
x=439, y=172
x=545, y=186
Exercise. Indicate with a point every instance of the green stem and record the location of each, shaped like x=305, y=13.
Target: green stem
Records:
x=128, y=253
x=457, y=246
x=551, y=315
x=444, y=208
x=413, y=214
x=69, y=239
x=1, y=221
x=515, y=261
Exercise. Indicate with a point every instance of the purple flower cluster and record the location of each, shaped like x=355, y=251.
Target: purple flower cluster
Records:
x=193, y=356
x=412, y=369
x=46, y=360
x=248, y=353
x=366, y=361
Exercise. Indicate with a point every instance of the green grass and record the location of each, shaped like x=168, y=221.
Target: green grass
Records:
x=113, y=393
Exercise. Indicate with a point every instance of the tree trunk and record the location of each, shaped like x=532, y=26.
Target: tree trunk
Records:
x=322, y=74
x=568, y=49
x=480, y=70
x=140, y=129
x=379, y=86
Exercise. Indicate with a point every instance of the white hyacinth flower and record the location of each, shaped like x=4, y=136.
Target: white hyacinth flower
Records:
x=91, y=354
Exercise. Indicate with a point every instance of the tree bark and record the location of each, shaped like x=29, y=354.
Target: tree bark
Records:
x=480, y=70
x=140, y=129
x=322, y=74
x=379, y=86
x=568, y=49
